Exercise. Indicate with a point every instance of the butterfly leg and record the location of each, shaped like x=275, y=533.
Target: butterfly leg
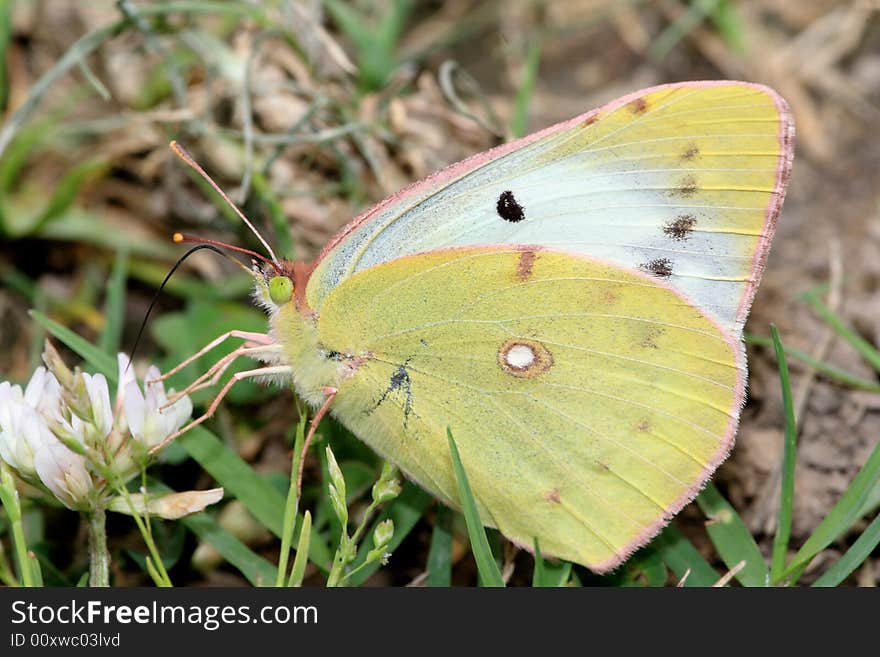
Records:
x=238, y=376
x=313, y=427
x=217, y=370
x=258, y=338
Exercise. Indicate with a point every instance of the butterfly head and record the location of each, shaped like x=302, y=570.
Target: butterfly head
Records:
x=281, y=283
x=280, y=289
x=275, y=284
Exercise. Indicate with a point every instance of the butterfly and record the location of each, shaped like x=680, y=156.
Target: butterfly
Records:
x=569, y=305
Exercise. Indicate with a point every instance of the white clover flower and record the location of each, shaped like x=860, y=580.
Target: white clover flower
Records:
x=90, y=425
x=22, y=427
x=126, y=377
x=43, y=392
x=148, y=424
x=64, y=473
x=28, y=444
x=19, y=429
x=99, y=402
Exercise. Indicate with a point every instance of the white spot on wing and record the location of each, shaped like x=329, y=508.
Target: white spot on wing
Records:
x=520, y=356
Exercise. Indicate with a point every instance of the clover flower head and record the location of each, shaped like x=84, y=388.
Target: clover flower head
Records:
x=148, y=421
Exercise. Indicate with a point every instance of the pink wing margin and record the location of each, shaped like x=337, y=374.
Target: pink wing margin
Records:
x=786, y=135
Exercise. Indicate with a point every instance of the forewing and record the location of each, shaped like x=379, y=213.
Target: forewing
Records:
x=681, y=181
x=589, y=402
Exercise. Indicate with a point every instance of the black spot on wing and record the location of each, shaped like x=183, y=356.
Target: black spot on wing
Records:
x=659, y=267
x=687, y=187
x=681, y=227
x=399, y=381
x=508, y=208
x=690, y=152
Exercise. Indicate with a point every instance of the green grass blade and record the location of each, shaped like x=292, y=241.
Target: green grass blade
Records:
x=865, y=348
x=727, y=20
x=731, y=538
x=539, y=577
x=823, y=368
x=549, y=574
x=20, y=150
x=66, y=191
x=557, y=574
x=688, y=21
x=854, y=557
x=645, y=569
x=100, y=361
x=680, y=556
x=439, y=565
x=114, y=306
x=488, y=569
x=36, y=570
x=786, y=496
x=255, y=568
x=526, y=89
x=292, y=503
x=302, y=549
x=406, y=510
x=839, y=519
x=5, y=37
x=240, y=480
x=871, y=503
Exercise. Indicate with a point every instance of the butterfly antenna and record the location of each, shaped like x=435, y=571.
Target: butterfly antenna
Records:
x=168, y=276
x=181, y=152
x=194, y=239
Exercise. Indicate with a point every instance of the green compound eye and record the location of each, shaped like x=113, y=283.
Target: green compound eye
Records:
x=280, y=289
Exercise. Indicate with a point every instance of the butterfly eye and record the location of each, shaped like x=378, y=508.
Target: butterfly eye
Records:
x=280, y=289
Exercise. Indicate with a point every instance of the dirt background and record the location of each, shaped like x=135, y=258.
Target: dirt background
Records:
x=823, y=56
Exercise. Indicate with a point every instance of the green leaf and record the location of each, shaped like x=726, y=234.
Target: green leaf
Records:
x=66, y=191
x=375, y=40
x=731, y=538
x=646, y=568
x=99, y=361
x=854, y=557
x=5, y=38
x=486, y=565
x=439, y=564
x=78, y=225
x=114, y=306
x=549, y=574
x=255, y=568
x=682, y=558
x=292, y=503
x=302, y=547
x=783, y=525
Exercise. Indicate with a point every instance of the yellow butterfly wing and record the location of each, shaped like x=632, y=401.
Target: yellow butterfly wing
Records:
x=570, y=305
x=589, y=403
